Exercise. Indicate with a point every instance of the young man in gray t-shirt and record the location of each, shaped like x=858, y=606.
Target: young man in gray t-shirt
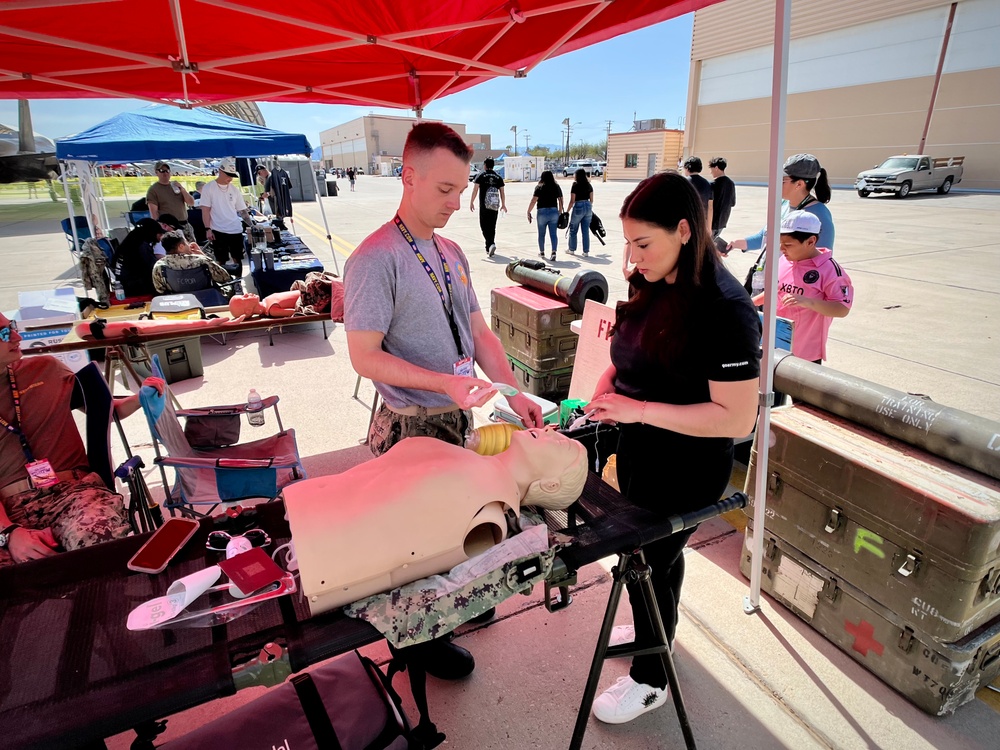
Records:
x=414, y=326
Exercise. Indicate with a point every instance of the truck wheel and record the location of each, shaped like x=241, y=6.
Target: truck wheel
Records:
x=945, y=187
x=904, y=189
x=864, y=193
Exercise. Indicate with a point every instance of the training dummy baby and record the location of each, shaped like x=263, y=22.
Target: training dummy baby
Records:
x=420, y=509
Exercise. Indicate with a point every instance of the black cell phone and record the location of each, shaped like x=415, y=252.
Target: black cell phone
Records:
x=160, y=548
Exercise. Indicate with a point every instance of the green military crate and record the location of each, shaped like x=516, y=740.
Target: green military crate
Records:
x=534, y=328
x=179, y=358
x=915, y=532
x=938, y=677
x=553, y=385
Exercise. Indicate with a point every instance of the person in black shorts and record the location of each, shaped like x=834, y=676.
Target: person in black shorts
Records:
x=683, y=381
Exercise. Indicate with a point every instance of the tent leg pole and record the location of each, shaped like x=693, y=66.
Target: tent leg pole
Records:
x=326, y=224
x=779, y=95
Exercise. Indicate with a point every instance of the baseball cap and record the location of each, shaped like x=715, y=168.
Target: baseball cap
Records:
x=802, y=166
x=169, y=220
x=260, y=167
x=228, y=165
x=800, y=221
x=160, y=165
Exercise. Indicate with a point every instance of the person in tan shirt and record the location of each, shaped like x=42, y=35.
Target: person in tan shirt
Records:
x=169, y=197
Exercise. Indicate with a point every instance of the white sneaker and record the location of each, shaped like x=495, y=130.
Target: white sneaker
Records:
x=492, y=249
x=627, y=700
x=621, y=635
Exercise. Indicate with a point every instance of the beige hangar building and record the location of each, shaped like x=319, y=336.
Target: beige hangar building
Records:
x=866, y=80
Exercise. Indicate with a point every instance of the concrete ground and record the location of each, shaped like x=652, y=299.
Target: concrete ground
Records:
x=927, y=276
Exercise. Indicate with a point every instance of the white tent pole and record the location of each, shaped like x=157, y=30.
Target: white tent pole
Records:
x=322, y=211
x=779, y=93
x=69, y=206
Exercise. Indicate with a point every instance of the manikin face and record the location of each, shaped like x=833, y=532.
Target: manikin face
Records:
x=10, y=350
x=654, y=250
x=434, y=184
x=555, y=465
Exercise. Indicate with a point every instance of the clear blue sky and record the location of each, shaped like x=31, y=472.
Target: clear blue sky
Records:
x=643, y=75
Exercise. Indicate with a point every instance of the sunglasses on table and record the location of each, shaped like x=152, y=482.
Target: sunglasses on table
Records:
x=218, y=540
x=7, y=330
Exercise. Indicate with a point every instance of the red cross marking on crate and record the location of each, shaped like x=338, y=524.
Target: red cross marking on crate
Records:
x=864, y=637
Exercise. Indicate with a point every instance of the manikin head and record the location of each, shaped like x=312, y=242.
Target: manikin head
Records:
x=550, y=469
x=245, y=304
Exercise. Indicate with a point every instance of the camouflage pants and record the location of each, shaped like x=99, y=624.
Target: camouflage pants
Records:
x=80, y=513
x=389, y=428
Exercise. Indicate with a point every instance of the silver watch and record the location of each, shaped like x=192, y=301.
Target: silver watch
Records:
x=5, y=535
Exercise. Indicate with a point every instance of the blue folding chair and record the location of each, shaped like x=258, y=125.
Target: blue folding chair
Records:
x=212, y=475
x=134, y=217
x=82, y=233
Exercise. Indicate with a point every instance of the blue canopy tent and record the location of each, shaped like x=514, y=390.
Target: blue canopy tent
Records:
x=162, y=131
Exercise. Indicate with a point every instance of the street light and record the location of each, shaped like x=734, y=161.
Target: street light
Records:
x=513, y=129
x=527, y=142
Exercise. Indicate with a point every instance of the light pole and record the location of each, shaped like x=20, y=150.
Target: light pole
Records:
x=527, y=142
x=513, y=129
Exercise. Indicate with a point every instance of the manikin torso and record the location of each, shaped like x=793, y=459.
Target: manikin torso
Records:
x=420, y=509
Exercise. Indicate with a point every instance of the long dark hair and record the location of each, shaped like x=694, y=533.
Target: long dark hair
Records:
x=547, y=179
x=580, y=178
x=821, y=186
x=663, y=200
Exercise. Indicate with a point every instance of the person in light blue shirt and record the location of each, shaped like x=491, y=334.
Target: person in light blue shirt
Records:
x=804, y=187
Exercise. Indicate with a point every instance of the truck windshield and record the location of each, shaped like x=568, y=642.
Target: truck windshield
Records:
x=899, y=162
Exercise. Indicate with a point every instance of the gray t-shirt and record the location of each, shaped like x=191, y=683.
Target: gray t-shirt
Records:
x=386, y=289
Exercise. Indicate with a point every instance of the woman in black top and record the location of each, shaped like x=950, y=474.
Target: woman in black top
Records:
x=549, y=197
x=581, y=210
x=134, y=260
x=682, y=384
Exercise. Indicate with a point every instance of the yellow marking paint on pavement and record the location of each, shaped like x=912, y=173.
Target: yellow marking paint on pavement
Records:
x=342, y=246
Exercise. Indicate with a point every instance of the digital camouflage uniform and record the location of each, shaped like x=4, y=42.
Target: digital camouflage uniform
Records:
x=81, y=513
x=388, y=428
x=182, y=262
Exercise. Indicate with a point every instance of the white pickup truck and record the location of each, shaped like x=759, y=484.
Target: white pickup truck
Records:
x=905, y=174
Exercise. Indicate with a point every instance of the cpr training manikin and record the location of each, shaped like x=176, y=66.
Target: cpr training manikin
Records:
x=420, y=509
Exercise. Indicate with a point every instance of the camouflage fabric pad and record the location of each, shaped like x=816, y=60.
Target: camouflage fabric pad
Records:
x=432, y=607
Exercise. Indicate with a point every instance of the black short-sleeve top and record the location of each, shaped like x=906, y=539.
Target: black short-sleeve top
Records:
x=548, y=195
x=582, y=191
x=722, y=344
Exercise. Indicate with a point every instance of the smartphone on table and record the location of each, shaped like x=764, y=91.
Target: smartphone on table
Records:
x=161, y=547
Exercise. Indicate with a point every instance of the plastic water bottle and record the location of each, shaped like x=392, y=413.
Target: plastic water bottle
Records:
x=757, y=282
x=119, y=291
x=255, y=409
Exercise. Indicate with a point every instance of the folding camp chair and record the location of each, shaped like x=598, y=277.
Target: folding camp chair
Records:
x=198, y=281
x=219, y=470
x=82, y=233
x=92, y=393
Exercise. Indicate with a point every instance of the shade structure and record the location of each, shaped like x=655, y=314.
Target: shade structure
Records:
x=392, y=53
x=165, y=132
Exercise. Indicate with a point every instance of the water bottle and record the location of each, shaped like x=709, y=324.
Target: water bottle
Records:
x=119, y=291
x=255, y=409
x=757, y=282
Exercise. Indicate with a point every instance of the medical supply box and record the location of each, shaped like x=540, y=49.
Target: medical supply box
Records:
x=916, y=533
x=534, y=328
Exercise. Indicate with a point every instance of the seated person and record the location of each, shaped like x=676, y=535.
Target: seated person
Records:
x=169, y=224
x=77, y=511
x=133, y=262
x=182, y=255
x=419, y=509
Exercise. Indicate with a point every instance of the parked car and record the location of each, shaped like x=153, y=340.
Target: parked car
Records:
x=473, y=172
x=590, y=166
x=904, y=174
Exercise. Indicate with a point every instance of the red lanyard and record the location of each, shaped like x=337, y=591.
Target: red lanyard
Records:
x=15, y=429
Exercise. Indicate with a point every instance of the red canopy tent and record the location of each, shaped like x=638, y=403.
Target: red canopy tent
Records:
x=391, y=53
x=395, y=53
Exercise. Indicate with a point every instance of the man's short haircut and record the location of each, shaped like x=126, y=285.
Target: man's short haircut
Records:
x=693, y=164
x=171, y=241
x=488, y=163
x=424, y=137
x=800, y=236
x=719, y=163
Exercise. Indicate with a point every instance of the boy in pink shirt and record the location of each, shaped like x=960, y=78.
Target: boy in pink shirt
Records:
x=812, y=287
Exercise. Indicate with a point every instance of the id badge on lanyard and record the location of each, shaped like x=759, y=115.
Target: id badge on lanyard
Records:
x=464, y=367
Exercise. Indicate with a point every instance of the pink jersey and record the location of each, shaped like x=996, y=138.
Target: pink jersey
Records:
x=817, y=278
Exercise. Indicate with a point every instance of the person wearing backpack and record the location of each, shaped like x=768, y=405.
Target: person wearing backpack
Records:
x=488, y=185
